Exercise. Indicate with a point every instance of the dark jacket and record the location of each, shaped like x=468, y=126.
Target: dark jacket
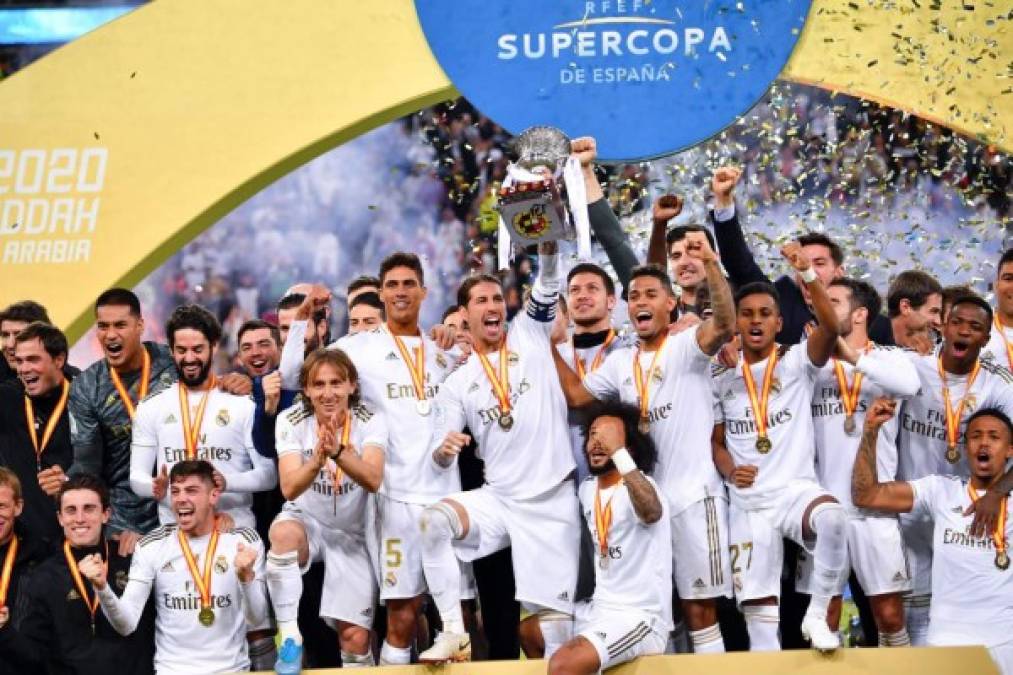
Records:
x=55, y=634
x=29, y=554
x=609, y=233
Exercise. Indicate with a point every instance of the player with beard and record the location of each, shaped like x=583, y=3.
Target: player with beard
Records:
x=954, y=382
x=668, y=377
x=508, y=396
x=1000, y=344
x=763, y=446
x=630, y=612
x=62, y=630
x=859, y=373
x=208, y=583
x=192, y=420
x=103, y=400
x=330, y=460
x=972, y=587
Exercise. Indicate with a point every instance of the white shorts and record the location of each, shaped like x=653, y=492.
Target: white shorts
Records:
x=699, y=542
x=875, y=553
x=543, y=531
x=756, y=552
x=399, y=552
x=1002, y=655
x=917, y=535
x=619, y=637
x=349, y=591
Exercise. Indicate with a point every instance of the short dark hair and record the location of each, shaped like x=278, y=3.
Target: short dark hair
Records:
x=363, y=281
x=639, y=444
x=402, y=259
x=914, y=286
x=291, y=301
x=951, y=293
x=335, y=357
x=863, y=294
x=26, y=311
x=997, y=414
x=195, y=317
x=464, y=291
x=758, y=288
x=368, y=298
x=192, y=467
x=453, y=309
x=84, y=481
x=975, y=300
x=591, y=268
x=258, y=324
x=820, y=239
x=654, y=271
x=119, y=297
x=52, y=338
x=1007, y=257
x=679, y=233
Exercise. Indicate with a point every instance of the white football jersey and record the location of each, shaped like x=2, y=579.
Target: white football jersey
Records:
x=886, y=371
x=921, y=440
x=182, y=644
x=344, y=509
x=995, y=350
x=385, y=382
x=789, y=424
x=680, y=411
x=533, y=456
x=972, y=599
x=638, y=573
x=225, y=441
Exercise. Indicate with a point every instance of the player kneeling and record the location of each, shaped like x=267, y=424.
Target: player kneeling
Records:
x=330, y=456
x=630, y=613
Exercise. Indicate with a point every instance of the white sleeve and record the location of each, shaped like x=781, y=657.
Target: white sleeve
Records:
x=292, y=355
x=603, y=383
x=449, y=417
x=1003, y=395
x=925, y=490
x=286, y=440
x=255, y=603
x=375, y=432
x=890, y=370
x=143, y=451
x=719, y=409
x=797, y=361
x=125, y=611
x=686, y=353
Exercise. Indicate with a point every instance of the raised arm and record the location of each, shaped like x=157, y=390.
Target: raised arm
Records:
x=866, y=490
x=249, y=566
x=718, y=328
x=609, y=431
x=123, y=612
x=576, y=394
x=888, y=368
x=665, y=208
x=735, y=253
x=142, y=463
x=822, y=341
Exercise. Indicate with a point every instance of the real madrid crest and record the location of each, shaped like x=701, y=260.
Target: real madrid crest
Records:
x=221, y=565
x=513, y=359
x=441, y=360
x=222, y=419
x=775, y=385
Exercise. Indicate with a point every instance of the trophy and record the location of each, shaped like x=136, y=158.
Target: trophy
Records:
x=539, y=187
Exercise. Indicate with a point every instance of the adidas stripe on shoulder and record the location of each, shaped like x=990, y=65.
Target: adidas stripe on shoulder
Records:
x=158, y=534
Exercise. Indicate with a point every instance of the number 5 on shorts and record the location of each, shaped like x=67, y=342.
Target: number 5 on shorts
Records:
x=393, y=552
x=735, y=549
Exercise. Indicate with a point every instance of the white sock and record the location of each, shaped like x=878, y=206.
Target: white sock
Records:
x=707, y=640
x=762, y=623
x=916, y=610
x=557, y=629
x=440, y=525
x=263, y=654
x=350, y=660
x=394, y=656
x=898, y=639
x=284, y=583
x=830, y=555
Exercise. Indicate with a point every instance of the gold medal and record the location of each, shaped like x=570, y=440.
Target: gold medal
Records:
x=54, y=419
x=642, y=381
x=849, y=424
x=953, y=417
x=206, y=617
x=1002, y=560
x=952, y=455
x=850, y=394
x=763, y=445
x=999, y=533
x=506, y=421
x=644, y=425
x=760, y=401
x=500, y=384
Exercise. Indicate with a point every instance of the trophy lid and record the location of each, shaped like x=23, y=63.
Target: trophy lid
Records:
x=541, y=146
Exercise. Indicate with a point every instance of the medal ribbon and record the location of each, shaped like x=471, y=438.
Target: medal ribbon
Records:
x=598, y=357
x=999, y=534
x=642, y=381
x=54, y=419
x=191, y=433
x=1002, y=334
x=500, y=383
x=603, y=519
x=346, y=433
x=90, y=603
x=953, y=417
x=849, y=395
x=142, y=385
x=203, y=583
x=8, y=570
x=759, y=403
x=417, y=368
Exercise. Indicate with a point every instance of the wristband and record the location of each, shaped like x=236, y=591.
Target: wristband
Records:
x=623, y=461
x=808, y=275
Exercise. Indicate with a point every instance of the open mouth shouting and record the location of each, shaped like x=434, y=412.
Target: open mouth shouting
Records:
x=754, y=336
x=960, y=349
x=643, y=321
x=492, y=326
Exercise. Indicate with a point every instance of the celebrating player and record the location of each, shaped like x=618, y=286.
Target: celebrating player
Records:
x=1000, y=345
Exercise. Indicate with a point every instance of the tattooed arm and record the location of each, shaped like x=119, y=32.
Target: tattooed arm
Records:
x=609, y=434
x=718, y=329
x=646, y=503
x=866, y=490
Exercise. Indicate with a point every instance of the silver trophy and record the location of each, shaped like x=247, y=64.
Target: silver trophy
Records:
x=531, y=202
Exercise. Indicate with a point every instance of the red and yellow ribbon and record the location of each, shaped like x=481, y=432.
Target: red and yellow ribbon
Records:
x=501, y=382
x=91, y=603
x=999, y=534
x=8, y=570
x=642, y=381
x=849, y=394
x=417, y=368
x=191, y=432
x=1009, y=347
x=953, y=416
x=603, y=519
x=54, y=419
x=759, y=402
x=598, y=357
x=142, y=385
x=201, y=581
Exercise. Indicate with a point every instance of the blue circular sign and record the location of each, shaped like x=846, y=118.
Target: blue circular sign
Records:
x=644, y=77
